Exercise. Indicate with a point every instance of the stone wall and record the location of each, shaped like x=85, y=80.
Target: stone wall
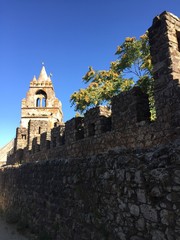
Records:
x=128, y=124
x=35, y=128
x=21, y=139
x=165, y=51
x=112, y=174
x=130, y=108
x=123, y=194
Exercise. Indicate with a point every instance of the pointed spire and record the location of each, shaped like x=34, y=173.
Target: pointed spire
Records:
x=43, y=75
x=49, y=77
x=34, y=78
x=33, y=81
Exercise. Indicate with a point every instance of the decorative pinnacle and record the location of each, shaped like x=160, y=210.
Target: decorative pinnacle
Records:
x=34, y=78
x=43, y=75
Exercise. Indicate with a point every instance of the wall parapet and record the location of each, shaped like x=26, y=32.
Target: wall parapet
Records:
x=112, y=174
x=128, y=123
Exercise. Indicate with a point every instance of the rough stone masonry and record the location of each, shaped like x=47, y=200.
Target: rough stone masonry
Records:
x=110, y=175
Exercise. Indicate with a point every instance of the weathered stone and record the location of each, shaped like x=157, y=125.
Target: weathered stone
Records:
x=112, y=174
x=134, y=209
x=106, y=175
x=167, y=217
x=128, y=176
x=176, y=188
x=121, y=236
x=156, y=192
x=163, y=205
x=140, y=224
x=178, y=221
x=149, y=213
x=141, y=195
x=120, y=175
x=169, y=197
x=136, y=238
x=158, y=235
x=177, y=180
x=138, y=177
x=170, y=234
x=119, y=219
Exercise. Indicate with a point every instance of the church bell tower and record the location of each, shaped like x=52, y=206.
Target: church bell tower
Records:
x=40, y=111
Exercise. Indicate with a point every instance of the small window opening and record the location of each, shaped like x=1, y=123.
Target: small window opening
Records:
x=38, y=101
x=178, y=39
x=24, y=136
x=41, y=98
x=43, y=102
x=39, y=130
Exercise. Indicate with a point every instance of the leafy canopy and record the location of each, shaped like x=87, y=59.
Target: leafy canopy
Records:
x=132, y=67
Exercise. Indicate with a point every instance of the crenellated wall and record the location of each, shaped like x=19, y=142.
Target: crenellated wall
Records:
x=128, y=123
x=99, y=131
x=130, y=108
x=113, y=174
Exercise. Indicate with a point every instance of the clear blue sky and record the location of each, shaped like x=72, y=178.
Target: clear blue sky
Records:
x=68, y=36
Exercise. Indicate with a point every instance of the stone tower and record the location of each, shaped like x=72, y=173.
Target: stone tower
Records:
x=164, y=38
x=40, y=111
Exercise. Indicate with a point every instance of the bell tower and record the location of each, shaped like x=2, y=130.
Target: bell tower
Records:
x=40, y=110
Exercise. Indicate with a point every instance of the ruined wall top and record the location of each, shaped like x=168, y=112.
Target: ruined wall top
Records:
x=164, y=39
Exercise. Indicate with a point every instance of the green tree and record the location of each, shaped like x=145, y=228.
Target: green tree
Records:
x=102, y=86
x=132, y=67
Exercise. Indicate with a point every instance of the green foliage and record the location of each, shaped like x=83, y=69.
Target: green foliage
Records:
x=134, y=58
x=102, y=86
x=133, y=67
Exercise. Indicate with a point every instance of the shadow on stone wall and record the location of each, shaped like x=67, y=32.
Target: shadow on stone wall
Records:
x=109, y=175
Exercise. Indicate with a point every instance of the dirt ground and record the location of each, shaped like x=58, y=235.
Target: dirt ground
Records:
x=9, y=232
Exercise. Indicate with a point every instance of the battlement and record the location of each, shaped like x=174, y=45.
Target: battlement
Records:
x=127, y=124
x=112, y=174
x=35, y=83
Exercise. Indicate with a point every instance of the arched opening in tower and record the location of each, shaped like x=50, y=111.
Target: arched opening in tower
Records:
x=43, y=102
x=41, y=98
x=38, y=102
